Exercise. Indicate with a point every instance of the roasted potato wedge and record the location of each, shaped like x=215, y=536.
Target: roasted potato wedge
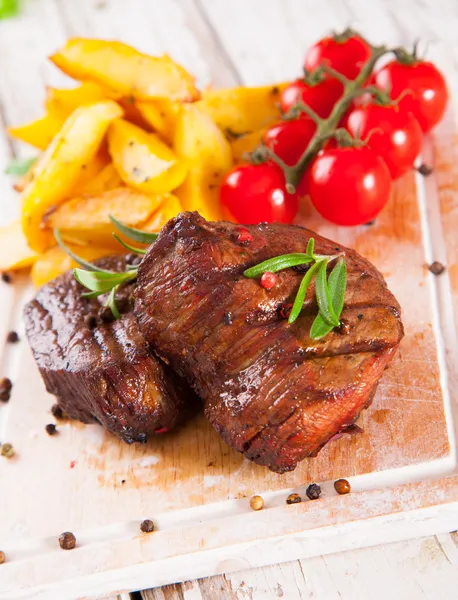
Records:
x=143, y=160
x=14, y=250
x=201, y=142
x=64, y=101
x=59, y=168
x=170, y=207
x=105, y=180
x=55, y=261
x=123, y=69
x=245, y=144
x=39, y=133
x=162, y=116
x=242, y=110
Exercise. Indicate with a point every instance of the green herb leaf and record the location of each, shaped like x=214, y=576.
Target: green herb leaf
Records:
x=302, y=292
x=83, y=263
x=19, y=166
x=278, y=263
x=311, y=247
x=128, y=246
x=98, y=281
x=91, y=294
x=323, y=295
x=137, y=235
x=8, y=8
x=337, y=286
x=111, y=303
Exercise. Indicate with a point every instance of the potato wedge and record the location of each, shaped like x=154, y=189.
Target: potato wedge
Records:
x=143, y=160
x=170, y=207
x=55, y=261
x=39, y=133
x=162, y=116
x=202, y=143
x=64, y=101
x=92, y=213
x=123, y=69
x=105, y=180
x=242, y=110
x=14, y=250
x=59, y=168
x=245, y=144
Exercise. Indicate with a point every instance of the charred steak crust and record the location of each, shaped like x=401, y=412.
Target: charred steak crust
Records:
x=268, y=389
x=103, y=371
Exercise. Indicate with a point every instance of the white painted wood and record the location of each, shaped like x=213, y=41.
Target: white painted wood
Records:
x=252, y=41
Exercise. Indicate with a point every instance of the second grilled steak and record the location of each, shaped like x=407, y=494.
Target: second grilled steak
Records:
x=268, y=389
x=101, y=369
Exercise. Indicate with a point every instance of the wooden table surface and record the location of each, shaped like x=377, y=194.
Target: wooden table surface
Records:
x=229, y=43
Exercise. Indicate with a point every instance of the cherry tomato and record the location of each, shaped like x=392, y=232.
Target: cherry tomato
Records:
x=257, y=193
x=392, y=133
x=289, y=139
x=321, y=97
x=349, y=186
x=424, y=87
x=347, y=56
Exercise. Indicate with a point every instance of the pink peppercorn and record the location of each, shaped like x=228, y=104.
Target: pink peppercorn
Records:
x=269, y=280
x=244, y=237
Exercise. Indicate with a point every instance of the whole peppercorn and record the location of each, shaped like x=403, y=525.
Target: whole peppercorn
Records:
x=7, y=277
x=285, y=311
x=105, y=314
x=90, y=321
x=57, y=412
x=293, y=499
x=313, y=491
x=67, y=541
x=2, y=557
x=425, y=170
x=342, y=486
x=257, y=503
x=147, y=526
x=269, y=280
x=5, y=389
x=436, y=268
x=7, y=450
x=51, y=429
x=344, y=327
x=228, y=318
x=12, y=337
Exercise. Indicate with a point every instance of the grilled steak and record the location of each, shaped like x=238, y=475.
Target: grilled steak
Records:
x=103, y=371
x=268, y=389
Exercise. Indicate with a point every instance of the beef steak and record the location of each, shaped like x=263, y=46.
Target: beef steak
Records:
x=270, y=391
x=100, y=368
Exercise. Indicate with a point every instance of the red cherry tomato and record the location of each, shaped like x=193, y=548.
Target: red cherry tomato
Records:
x=347, y=56
x=257, y=193
x=289, y=139
x=321, y=97
x=424, y=87
x=349, y=186
x=392, y=133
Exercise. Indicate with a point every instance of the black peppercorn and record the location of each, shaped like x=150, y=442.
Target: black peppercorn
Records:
x=57, y=412
x=147, y=526
x=228, y=318
x=313, y=491
x=436, y=268
x=51, y=429
x=106, y=315
x=425, y=170
x=12, y=337
x=7, y=277
x=5, y=389
x=67, y=540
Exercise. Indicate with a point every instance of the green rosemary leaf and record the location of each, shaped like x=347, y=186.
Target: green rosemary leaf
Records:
x=137, y=235
x=97, y=281
x=278, y=263
x=302, y=292
x=337, y=286
x=311, y=247
x=323, y=295
x=19, y=166
x=111, y=303
x=128, y=246
x=8, y=8
x=83, y=263
x=91, y=294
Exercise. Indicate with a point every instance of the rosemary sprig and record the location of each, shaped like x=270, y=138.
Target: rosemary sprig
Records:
x=330, y=292
x=100, y=281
